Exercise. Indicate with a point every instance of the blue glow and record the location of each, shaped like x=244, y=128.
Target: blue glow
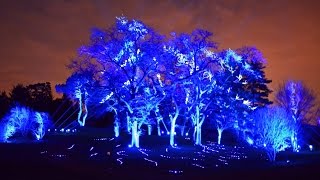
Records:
x=21, y=120
x=141, y=70
x=273, y=130
x=250, y=141
x=311, y=147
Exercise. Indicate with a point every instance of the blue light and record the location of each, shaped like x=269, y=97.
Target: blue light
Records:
x=250, y=141
x=310, y=147
x=24, y=121
x=187, y=134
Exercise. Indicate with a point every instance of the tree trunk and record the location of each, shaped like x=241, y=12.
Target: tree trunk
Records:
x=85, y=115
x=158, y=126
x=116, y=129
x=220, y=131
x=135, y=135
x=149, y=129
x=116, y=124
x=294, y=142
x=80, y=111
x=198, y=126
x=198, y=135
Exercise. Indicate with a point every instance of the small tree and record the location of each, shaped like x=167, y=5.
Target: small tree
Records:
x=300, y=103
x=272, y=130
x=78, y=87
x=22, y=121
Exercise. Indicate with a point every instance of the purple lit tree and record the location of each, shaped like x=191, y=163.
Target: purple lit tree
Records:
x=193, y=57
x=257, y=85
x=272, y=130
x=128, y=53
x=23, y=122
x=232, y=103
x=78, y=87
x=300, y=103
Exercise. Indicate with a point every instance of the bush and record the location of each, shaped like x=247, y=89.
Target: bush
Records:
x=24, y=122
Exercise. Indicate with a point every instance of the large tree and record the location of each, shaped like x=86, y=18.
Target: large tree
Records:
x=40, y=96
x=128, y=53
x=257, y=85
x=193, y=57
x=232, y=102
x=300, y=102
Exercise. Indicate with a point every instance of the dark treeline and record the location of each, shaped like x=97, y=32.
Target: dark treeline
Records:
x=39, y=97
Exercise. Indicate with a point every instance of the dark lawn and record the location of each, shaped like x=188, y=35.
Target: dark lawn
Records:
x=94, y=154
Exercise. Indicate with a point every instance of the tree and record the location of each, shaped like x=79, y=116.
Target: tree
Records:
x=19, y=94
x=79, y=87
x=193, y=57
x=257, y=85
x=4, y=103
x=300, y=103
x=272, y=130
x=128, y=53
x=22, y=121
x=232, y=102
x=40, y=96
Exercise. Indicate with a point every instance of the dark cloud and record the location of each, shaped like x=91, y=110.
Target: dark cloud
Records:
x=39, y=37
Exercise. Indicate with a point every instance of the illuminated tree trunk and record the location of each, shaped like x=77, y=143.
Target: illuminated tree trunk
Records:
x=128, y=124
x=159, y=119
x=86, y=113
x=198, y=125
x=149, y=129
x=219, y=135
x=294, y=141
x=116, y=124
x=183, y=127
x=271, y=155
x=173, y=125
x=80, y=109
x=135, y=134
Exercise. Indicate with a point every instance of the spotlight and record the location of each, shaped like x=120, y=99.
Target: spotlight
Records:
x=310, y=147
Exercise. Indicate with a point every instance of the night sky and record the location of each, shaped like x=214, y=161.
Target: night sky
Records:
x=38, y=37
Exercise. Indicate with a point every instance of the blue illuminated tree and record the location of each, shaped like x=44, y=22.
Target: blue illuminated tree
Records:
x=232, y=103
x=21, y=121
x=193, y=57
x=300, y=103
x=272, y=130
x=128, y=53
x=257, y=85
x=78, y=87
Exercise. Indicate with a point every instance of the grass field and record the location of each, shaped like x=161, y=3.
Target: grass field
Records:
x=95, y=154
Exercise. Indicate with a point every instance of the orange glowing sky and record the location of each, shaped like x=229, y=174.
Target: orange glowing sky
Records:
x=39, y=37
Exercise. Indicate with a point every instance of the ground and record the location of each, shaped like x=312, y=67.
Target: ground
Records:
x=95, y=154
